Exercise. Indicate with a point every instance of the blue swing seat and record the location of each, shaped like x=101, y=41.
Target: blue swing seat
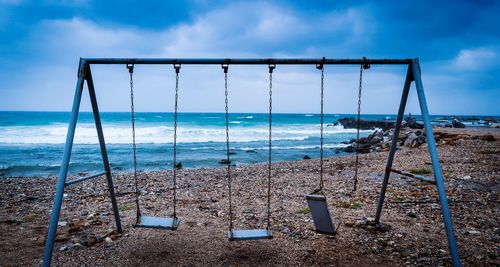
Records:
x=253, y=234
x=158, y=222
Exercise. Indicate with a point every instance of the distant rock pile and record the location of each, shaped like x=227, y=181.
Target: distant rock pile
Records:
x=412, y=123
x=381, y=141
x=455, y=124
x=350, y=123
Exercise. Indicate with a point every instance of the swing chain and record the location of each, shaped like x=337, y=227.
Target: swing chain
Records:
x=177, y=68
x=130, y=68
x=363, y=66
x=271, y=68
x=225, y=68
x=321, y=68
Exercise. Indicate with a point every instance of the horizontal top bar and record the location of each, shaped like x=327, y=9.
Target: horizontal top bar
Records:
x=246, y=61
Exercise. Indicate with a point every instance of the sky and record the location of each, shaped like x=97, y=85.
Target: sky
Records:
x=457, y=42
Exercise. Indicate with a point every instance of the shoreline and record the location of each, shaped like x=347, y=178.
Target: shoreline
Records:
x=416, y=236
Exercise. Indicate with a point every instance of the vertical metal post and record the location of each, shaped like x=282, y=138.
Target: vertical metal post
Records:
x=394, y=144
x=102, y=144
x=452, y=243
x=56, y=209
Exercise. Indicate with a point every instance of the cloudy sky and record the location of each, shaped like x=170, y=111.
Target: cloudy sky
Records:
x=458, y=43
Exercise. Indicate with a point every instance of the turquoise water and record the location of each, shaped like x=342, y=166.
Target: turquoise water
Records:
x=32, y=143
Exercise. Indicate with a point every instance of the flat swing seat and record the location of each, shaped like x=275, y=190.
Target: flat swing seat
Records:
x=158, y=222
x=253, y=234
x=321, y=216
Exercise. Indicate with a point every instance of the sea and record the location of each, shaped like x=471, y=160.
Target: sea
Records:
x=32, y=143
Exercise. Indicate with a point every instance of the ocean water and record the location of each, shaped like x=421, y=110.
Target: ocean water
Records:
x=32, y=143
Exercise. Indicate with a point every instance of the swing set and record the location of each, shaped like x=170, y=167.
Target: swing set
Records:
x=317, y=200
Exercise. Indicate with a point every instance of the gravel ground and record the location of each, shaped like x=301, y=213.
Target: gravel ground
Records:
x=412, y=211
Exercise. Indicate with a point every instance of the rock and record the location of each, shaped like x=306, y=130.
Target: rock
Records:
x=62, y=238
x=457, y=124
x=467, y=177
x=473, y=232
x=412, y=123
x=409, y=140
x=108, y=240
x=307, y=157
x=62, y=223
x=362, y=148
x=361, y=222
x=178, y=166
x=69, y=246
x=411, y=214
x=75, y=227
x=383, y=227
x=350, y=123
x=214, y=199
x=349, y=224
x=224, y=161
x=250, y=151
x=421, y=140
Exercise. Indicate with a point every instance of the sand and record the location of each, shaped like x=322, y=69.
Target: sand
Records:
x=416, y=236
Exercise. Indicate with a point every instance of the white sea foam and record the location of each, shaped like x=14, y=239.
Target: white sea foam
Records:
x=122, y=134
x=295, y=147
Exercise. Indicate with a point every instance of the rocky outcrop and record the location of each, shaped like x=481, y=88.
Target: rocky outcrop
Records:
x=381, y=140
x=352, y=123
x=457, y=124
x=412, y=123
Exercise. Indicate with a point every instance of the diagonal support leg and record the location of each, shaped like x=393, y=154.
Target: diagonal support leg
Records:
x=438, y=175
x=56, y=209
x=102, y=144
x=394, y=144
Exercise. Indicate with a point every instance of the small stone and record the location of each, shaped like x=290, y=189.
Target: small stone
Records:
x=383, y=227
x=473, y=232
x=391, y=243
x=349, y=224
x=178, y=166
x=411, y=214
x=108, y=240
x=62, y=223
x=361, y=222
x=307, y=157
x=467, y=177
x=62, y=238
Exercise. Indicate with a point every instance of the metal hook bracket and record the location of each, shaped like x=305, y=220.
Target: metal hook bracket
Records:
x=130, y=68
x=271, y=67
x=225, y=67
x=177, y=68
x=365, y=64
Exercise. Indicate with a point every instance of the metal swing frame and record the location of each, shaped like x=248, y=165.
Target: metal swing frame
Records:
x=84, y=75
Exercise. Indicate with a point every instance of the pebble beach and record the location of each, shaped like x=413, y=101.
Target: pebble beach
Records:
x=414, y=234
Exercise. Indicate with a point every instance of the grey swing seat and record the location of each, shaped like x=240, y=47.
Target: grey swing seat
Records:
x=157, y=222
x=252, y=234
x=321, y=215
